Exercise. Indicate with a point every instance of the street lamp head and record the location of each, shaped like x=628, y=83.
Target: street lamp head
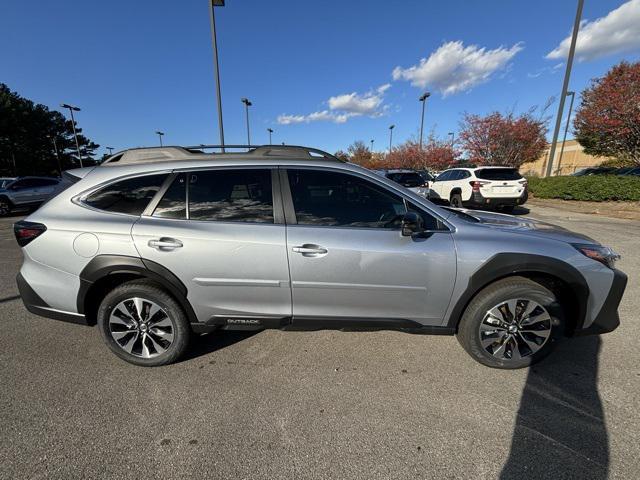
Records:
x=246, y=102
x=217, y=3
x=158, y=132
x=70, y=107
x=391, y=127
x=424, y=96
x=270, y=130
x=569, y=92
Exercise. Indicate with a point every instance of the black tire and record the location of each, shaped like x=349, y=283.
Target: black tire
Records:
x=150, y=292
x=507, y=208
x=455, y=200
x=5, y=207
x=497, y=294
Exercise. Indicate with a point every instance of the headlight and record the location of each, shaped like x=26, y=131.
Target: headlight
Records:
x=601, y=254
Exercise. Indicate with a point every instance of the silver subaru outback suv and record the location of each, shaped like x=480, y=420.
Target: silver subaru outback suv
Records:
x=157, y=245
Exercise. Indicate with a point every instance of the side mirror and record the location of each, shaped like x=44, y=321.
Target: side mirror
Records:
x=411, y=223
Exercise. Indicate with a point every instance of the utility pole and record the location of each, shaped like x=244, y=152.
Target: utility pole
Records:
x=566, y=128
x=247, y=104
x=55, y=149
x=73, y=125
x=423, y=99
x=391, y=127
x=212, y=5
x=565, y=87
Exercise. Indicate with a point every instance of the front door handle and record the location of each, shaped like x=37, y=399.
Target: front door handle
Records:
x=310, y=250
x=165, y=244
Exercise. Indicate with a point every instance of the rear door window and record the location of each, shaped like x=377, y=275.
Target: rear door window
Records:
x=498, y=174
x=174, y=201
x=242, y=195
x=130, y=196
x=406, y=179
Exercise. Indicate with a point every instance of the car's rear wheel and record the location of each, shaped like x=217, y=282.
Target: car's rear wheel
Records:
x=143, y=324
x=456, y=200
x=512, y=323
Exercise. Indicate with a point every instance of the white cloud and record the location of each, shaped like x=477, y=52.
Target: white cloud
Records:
x=618, y=31
x=343, y=107
x=454, y=68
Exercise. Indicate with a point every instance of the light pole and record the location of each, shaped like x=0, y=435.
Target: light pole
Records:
x=73, y=124
x=452, y=135
x=270, y=130
x=212, y=5
x=160, y=134
x=565, y=86
x=247, y=104
x=372, y=145
x=55, y=149
x=423, y=99
x=110, y=150
x=391, y=127
x=566, y=128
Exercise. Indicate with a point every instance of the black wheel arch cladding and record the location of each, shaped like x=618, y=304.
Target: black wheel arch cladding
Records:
x=103, y=266
x=503, y=265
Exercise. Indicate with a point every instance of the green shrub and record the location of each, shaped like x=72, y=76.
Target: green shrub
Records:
x=594, y=188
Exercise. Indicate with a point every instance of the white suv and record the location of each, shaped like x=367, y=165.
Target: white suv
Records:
x=499, y=187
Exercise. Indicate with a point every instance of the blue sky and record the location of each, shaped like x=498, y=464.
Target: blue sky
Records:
x=318, y=73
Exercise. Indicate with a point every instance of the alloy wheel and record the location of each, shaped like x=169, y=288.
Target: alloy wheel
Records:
x=515, y=329
x=141, y=327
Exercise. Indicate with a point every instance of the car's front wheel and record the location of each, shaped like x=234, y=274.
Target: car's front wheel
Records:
x=143, y=324
x=512, y=323
x=5, y=207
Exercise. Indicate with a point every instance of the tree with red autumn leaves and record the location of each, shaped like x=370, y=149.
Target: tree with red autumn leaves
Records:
x=434, y=155
x=498, y=139
x=607, y=121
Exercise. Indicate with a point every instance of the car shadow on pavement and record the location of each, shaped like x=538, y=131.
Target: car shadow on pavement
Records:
x=560, y=429
x=212, y=342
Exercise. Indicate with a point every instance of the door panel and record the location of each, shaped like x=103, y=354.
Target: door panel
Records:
x=347, y=257
x=227, y=243
x=228, y=268
x=370, y=273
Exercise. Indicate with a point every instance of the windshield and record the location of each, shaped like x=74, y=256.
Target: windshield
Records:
x=498, y=174
x=406, y=179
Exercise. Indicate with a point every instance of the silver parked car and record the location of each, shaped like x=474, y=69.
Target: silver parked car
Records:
x=158, y=244
x=27, y=192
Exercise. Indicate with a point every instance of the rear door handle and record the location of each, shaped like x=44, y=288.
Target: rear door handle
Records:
x=310, y=250
x=165, y=244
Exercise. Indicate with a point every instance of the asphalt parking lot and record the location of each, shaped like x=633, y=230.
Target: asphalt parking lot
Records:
x=321, y=404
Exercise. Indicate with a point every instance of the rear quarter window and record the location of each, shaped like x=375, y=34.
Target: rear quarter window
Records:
x=498, y=174
x=130, y=196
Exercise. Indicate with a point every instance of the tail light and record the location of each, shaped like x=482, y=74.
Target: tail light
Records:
x=26, y=232
x=475, y=185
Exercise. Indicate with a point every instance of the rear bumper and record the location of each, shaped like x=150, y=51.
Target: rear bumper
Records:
x=478, y=200
x=607, y=319
x=38, y=306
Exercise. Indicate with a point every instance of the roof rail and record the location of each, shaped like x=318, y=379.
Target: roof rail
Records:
x=173, y=153
x=273, y=150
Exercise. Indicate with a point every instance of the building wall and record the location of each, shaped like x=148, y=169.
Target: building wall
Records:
x=573, y=159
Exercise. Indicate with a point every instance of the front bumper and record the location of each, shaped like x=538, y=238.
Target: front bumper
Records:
x=35, y=304
x=607, y=319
